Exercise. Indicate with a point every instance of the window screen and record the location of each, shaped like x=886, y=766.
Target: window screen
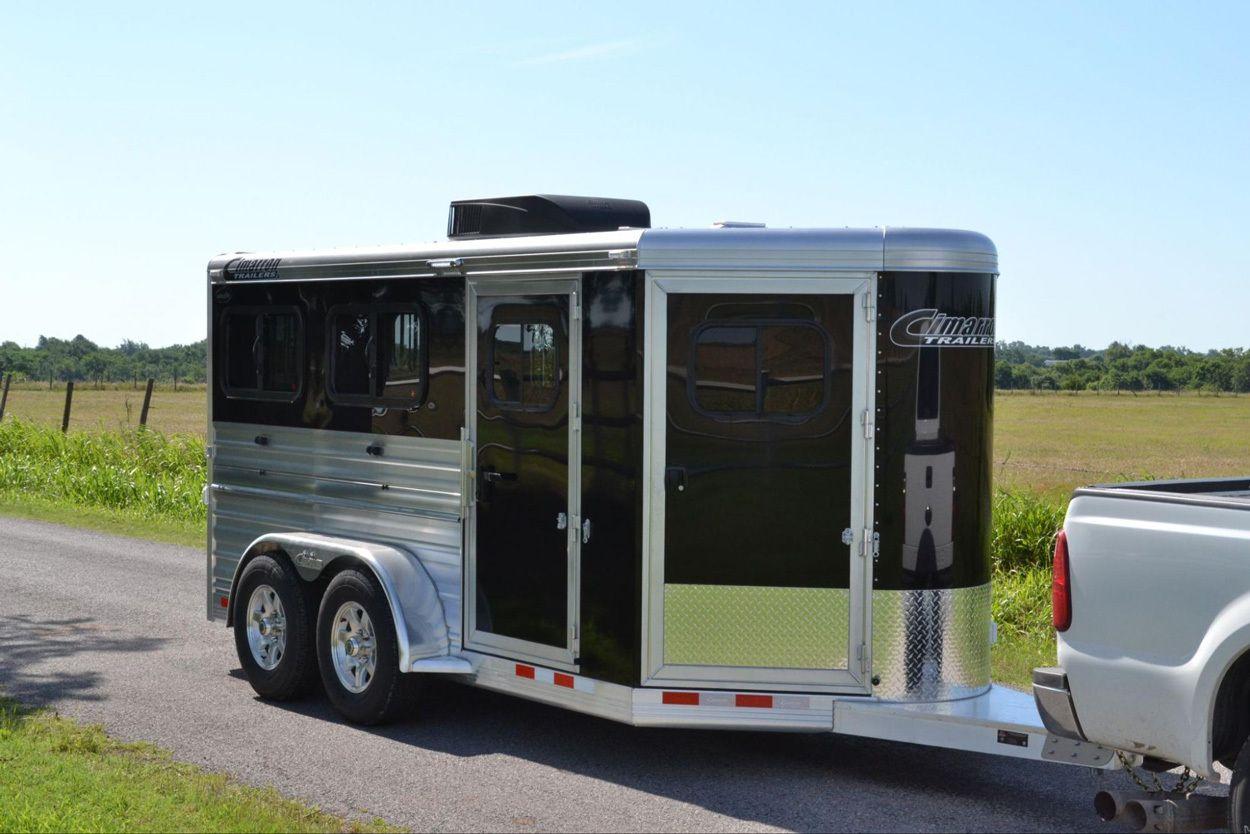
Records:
x=525, y=366
x=263, y=353
x=759, y=370
x=377, y=355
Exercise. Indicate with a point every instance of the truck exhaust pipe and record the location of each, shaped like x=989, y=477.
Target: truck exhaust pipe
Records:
x=1175, y=812
x=1112, y=805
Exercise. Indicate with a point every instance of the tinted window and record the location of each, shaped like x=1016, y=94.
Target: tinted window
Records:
x=400, y=360
x=242, y=351
x=263, y=353
x=525, y=366
x=377, y=355
x=351, y=334
x=759, y=370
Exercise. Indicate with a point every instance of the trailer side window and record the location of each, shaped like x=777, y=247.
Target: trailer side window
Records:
x=377, y=355
x=524, y=367
x=263, y=353
x=762, y=370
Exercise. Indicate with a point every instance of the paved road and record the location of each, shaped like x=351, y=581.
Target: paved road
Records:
x=111, y=629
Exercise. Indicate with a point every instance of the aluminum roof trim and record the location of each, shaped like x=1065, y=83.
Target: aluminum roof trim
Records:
x=748, y=248
x=902, y=249
x=501, y=247
x=938, y=250
x=892, y=249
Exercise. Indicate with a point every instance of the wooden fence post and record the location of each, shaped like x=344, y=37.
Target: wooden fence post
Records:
x=4, y=397
x=69, y=399
x=147, y=401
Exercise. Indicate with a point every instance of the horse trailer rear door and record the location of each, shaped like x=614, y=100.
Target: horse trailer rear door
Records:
x=759, y=457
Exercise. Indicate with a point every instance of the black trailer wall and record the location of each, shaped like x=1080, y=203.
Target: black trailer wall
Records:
x=934, y=424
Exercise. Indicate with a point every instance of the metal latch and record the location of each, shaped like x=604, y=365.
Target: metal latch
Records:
x=871, y=545
x=848, y=537
x=586, y=531
x=866, y=421
x=562, y=521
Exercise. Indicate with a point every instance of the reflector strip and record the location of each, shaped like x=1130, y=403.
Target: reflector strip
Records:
x=684, y=699
x=560, y=679
x=754, y=701
x=225, y=602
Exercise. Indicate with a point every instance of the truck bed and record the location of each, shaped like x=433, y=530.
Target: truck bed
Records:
x=1210, y=491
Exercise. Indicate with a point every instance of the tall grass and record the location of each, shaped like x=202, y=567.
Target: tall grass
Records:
x=138, y=471
x=1023, y=542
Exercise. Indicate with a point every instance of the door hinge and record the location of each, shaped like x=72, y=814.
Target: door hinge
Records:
x=575, y=307
x=861, y=655
x=870, y=309
x=573, y=644
x=866, y=421
x=870, y=545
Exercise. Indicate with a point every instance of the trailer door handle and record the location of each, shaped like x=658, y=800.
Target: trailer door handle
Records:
x=675, y=478
x=496, y=477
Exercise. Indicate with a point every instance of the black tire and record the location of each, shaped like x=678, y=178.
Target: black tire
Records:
x=1239, y=792
x=296, y=671
x=388, y=692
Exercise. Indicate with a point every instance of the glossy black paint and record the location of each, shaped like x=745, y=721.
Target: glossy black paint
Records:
x=523, y=475
x=758, y=463
x=612, y=478
x=438, y=414
x=955, y=385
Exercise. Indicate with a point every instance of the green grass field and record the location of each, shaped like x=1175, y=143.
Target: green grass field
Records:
x=56, y=775
x=113, y=408
x=1050, y=443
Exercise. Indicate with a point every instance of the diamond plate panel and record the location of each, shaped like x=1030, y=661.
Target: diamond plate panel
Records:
x=931, y=645
x=740, y=625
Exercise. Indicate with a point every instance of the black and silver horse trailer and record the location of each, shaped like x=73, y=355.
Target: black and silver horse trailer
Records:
x=730, y=477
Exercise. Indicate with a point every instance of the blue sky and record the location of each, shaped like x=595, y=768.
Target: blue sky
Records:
x=1104, y=146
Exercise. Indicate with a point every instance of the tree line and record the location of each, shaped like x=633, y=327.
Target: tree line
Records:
x=80, y=359
x=1018, y=366
x=1120, y=367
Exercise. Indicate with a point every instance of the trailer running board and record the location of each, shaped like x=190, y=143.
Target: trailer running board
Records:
x=1003, y=722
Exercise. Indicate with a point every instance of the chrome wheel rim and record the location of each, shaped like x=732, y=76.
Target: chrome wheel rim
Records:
x=266, y=627
x=353, y=648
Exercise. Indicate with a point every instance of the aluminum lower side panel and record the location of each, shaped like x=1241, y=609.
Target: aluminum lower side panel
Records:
x=324, y=482
x=931, y=645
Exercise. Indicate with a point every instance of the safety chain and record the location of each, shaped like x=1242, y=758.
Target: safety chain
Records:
x=1186, y=783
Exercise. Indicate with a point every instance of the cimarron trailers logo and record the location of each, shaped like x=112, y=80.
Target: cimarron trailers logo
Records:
x=931, y=328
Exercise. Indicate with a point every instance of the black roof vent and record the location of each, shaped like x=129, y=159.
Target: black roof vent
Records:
x=543, y=214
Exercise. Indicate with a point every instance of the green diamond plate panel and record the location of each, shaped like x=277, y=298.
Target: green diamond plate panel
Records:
x=740, y=625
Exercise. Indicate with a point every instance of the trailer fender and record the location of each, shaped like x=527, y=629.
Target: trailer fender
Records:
x=420, y=622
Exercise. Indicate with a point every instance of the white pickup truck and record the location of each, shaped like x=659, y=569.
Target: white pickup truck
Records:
x=1152, y=609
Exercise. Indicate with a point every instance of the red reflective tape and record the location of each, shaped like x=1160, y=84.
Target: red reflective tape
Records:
x=681, y=699
x=524, y=671
x=757, y=701
x=564, y=680
x=225, y=602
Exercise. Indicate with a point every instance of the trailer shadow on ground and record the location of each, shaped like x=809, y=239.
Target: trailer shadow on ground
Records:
x=782, y=780
x=28, y=644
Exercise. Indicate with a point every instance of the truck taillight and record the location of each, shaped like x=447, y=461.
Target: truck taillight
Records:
x=1061, y=586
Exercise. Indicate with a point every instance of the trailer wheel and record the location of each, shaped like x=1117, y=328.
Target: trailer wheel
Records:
x=273, y=631
x=1239, y=792
x=358, y=653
